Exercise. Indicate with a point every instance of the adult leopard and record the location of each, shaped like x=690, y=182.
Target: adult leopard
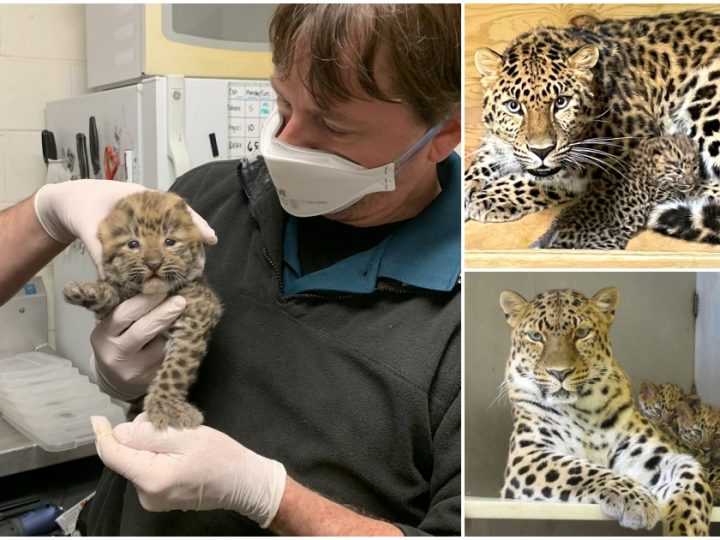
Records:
x=563, y=106
x=577, y=436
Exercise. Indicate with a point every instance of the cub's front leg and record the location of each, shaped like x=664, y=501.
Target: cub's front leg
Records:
x=99, y=297
x=166, y=401
x=541, y=475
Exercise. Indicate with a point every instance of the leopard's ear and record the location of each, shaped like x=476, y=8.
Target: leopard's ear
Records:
x=585, y=57
x=488, y=64
x=513, y=304
x=606, y=300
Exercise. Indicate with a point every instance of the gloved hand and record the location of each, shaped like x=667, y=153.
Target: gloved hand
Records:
x=191, y=469
x=127, y=350
x=70, y=210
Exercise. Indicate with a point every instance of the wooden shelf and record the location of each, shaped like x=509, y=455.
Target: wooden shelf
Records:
x=494, y=508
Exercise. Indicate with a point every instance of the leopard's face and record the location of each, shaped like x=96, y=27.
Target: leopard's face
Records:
x=539, y=101
x=560, y=343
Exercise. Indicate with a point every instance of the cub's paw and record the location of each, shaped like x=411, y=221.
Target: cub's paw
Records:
x=630, y=503
x=76, y=293
x=174, y=413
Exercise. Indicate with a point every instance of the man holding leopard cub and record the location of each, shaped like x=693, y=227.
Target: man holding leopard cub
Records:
x=331, y=385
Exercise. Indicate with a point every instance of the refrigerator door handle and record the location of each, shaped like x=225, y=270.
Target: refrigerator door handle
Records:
x=177, y=142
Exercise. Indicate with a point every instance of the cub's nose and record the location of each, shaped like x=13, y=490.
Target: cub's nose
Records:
x=541, y=152
x=560, y=374
x=153, y=265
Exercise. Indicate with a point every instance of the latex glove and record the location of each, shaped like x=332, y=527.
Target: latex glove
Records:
x=191, y=469
x=69, y=210
x=127, y=350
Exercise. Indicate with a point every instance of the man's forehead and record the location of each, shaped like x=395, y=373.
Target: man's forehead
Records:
x=333, y=82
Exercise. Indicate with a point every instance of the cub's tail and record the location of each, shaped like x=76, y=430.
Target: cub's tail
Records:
x=695, y=220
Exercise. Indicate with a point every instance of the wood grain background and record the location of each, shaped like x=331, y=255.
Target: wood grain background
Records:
x=494, y=26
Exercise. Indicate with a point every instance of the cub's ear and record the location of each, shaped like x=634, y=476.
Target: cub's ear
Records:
x=693, y=400
x=648, y=391
x=685, y=415
x=488, y=64
x=606, y=300
x=513, y=305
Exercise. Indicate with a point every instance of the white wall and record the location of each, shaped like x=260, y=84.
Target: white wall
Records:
x=42, y=58
x=707, y=338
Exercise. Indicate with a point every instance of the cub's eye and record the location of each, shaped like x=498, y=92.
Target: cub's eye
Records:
x=133, y=244
x=582, y=332
x=513, y=106
x=561, y=102
x=535, y=336
x=169, y=242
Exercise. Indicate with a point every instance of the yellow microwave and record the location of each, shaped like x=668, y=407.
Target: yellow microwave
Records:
x=128, y=42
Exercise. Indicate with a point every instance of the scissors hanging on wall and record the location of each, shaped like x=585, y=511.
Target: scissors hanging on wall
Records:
x=111, y=163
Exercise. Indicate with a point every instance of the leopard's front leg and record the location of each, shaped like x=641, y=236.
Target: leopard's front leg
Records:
x=510, y=198
x=99, y=297
x=541, y=475
x=677, y=481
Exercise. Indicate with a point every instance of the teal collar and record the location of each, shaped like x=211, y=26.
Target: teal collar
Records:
x=425, y=252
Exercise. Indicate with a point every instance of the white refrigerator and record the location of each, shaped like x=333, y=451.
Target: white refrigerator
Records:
x=159, y=129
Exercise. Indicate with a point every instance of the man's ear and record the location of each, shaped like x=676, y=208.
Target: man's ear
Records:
x=445, y=140
x=488, y=64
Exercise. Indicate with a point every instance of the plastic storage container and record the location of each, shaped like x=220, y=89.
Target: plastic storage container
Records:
x=47, y=400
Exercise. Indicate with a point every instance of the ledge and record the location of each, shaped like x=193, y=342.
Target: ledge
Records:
x=495, y=508
x=586, y=258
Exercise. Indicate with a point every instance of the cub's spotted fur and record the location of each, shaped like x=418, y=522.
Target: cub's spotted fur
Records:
x=609, y=213
x=151, y=245
x=576, y=434
x=564, y=106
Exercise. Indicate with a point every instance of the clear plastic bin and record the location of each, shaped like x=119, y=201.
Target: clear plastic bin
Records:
x=23, y=364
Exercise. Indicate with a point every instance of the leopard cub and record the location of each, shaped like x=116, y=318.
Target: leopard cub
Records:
x=614, y=209
x=151, y=245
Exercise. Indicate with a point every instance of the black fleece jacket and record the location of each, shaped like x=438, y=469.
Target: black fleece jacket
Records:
x=358, y=395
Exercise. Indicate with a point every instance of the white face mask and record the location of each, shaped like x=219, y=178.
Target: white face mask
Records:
x=314, y=183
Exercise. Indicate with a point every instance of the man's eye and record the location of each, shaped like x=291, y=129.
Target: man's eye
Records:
x=335, y=131
x=513, y=106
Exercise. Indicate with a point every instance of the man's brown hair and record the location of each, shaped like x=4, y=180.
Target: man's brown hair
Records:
x=421, y=43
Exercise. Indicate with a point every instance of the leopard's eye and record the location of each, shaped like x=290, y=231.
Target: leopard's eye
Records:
x=513, y=106
x=535, y=336
x=561, y=102
x=169, y=242
x=133, y=244
x=582, y=332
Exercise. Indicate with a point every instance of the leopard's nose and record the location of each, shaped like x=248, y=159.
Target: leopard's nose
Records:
x=542, y=153
x=560, y=374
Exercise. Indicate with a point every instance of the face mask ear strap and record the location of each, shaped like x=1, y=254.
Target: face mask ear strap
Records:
x=411, y=152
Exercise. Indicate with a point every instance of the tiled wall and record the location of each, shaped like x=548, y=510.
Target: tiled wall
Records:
x=42, y=58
